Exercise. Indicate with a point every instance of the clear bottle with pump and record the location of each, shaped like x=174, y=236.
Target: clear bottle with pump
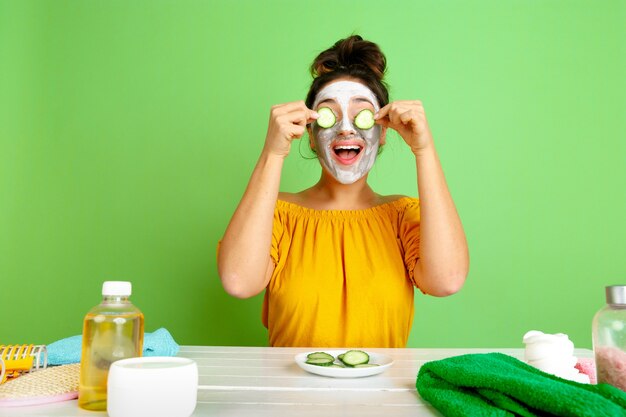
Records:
x=112, y=330
x=609, y=338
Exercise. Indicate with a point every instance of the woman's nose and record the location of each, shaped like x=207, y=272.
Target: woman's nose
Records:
x=345, y=127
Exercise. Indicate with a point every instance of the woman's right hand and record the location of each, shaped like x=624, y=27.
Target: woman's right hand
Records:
x=287, y=122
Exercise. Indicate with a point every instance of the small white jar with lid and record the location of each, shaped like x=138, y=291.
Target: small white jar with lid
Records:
x=152, y=386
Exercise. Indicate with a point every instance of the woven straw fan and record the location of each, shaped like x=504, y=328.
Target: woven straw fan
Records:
x=59, y=383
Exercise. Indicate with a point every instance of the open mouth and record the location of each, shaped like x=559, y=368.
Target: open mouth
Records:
x=347, y=153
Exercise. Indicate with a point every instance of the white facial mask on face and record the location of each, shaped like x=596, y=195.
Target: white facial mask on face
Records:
x=342, y=92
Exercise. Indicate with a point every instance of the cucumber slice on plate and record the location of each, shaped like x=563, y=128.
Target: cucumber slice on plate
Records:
x=327, y=118
x=320, y=355
x=364, y=119
x=320, y=361
x=355, y=357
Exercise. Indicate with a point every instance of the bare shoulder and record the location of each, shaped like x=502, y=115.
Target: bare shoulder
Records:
x=306, y=198
x=295, y=198
x=384, y=199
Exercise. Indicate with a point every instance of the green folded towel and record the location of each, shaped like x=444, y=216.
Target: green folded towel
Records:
x=494, y=384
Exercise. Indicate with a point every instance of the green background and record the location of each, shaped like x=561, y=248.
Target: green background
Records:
x=128, y=131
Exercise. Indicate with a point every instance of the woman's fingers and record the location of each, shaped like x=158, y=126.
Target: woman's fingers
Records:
x=287, y=122
x=312, y=115
x=304, y=117
x=298, y=117
x=279, y=109
x=409, y=120
x=408, y=116
x=382, y=113
x=400, y=113
x=295, y=106
x=296, y=131
x=383, y=122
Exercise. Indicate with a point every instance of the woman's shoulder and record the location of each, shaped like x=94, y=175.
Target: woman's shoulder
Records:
x=294, y=203
x=403, y=206
x=293, y=198
x=396, y=198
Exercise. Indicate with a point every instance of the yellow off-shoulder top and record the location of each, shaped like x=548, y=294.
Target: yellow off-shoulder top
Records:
x=342, y=278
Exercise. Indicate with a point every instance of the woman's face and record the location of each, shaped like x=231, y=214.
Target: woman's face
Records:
x=346, y=151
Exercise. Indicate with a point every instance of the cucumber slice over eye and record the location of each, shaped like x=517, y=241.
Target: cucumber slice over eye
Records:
x=364, y=119
x=327, y=118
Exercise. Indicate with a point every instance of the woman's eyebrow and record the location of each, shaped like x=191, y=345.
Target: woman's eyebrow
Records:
x=362, y=100
x=327, y=100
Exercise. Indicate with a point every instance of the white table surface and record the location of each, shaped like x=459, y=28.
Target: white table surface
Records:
x=263, y=381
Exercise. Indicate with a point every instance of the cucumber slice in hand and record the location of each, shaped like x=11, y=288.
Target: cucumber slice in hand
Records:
x=327, y=118
x=364, y=119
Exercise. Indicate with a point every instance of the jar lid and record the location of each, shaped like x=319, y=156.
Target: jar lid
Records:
x=123, y=288
x=152, y=386
x=149, y=373
x=616, y=294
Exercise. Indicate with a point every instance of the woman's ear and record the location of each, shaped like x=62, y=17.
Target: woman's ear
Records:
x=383, y=136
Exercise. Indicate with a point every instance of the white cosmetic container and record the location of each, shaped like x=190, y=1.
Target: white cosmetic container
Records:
x=152, y=386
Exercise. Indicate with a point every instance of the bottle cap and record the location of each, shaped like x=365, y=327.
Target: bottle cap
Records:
x=123, y=288
x=616, y=294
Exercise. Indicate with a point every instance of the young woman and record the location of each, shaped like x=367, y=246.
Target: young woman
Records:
x=337, y=261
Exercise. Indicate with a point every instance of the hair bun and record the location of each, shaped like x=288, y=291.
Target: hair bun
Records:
x=352, y=58
x=351, y=52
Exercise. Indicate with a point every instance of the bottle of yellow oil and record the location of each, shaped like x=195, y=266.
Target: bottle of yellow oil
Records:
x=112, y=330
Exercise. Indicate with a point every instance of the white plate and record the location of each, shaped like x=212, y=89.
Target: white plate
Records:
x=383, y=361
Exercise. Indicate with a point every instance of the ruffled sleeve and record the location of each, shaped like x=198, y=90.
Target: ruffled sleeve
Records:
x=409, y=232
x=277, y=234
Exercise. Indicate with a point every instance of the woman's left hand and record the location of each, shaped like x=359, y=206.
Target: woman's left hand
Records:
x=409, y=120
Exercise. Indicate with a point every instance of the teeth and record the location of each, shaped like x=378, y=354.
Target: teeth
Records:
x=354, y=148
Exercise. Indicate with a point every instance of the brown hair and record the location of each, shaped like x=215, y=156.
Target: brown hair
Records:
x=351, y=57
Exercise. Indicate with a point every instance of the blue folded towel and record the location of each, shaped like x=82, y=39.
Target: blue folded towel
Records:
x=68, y=350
